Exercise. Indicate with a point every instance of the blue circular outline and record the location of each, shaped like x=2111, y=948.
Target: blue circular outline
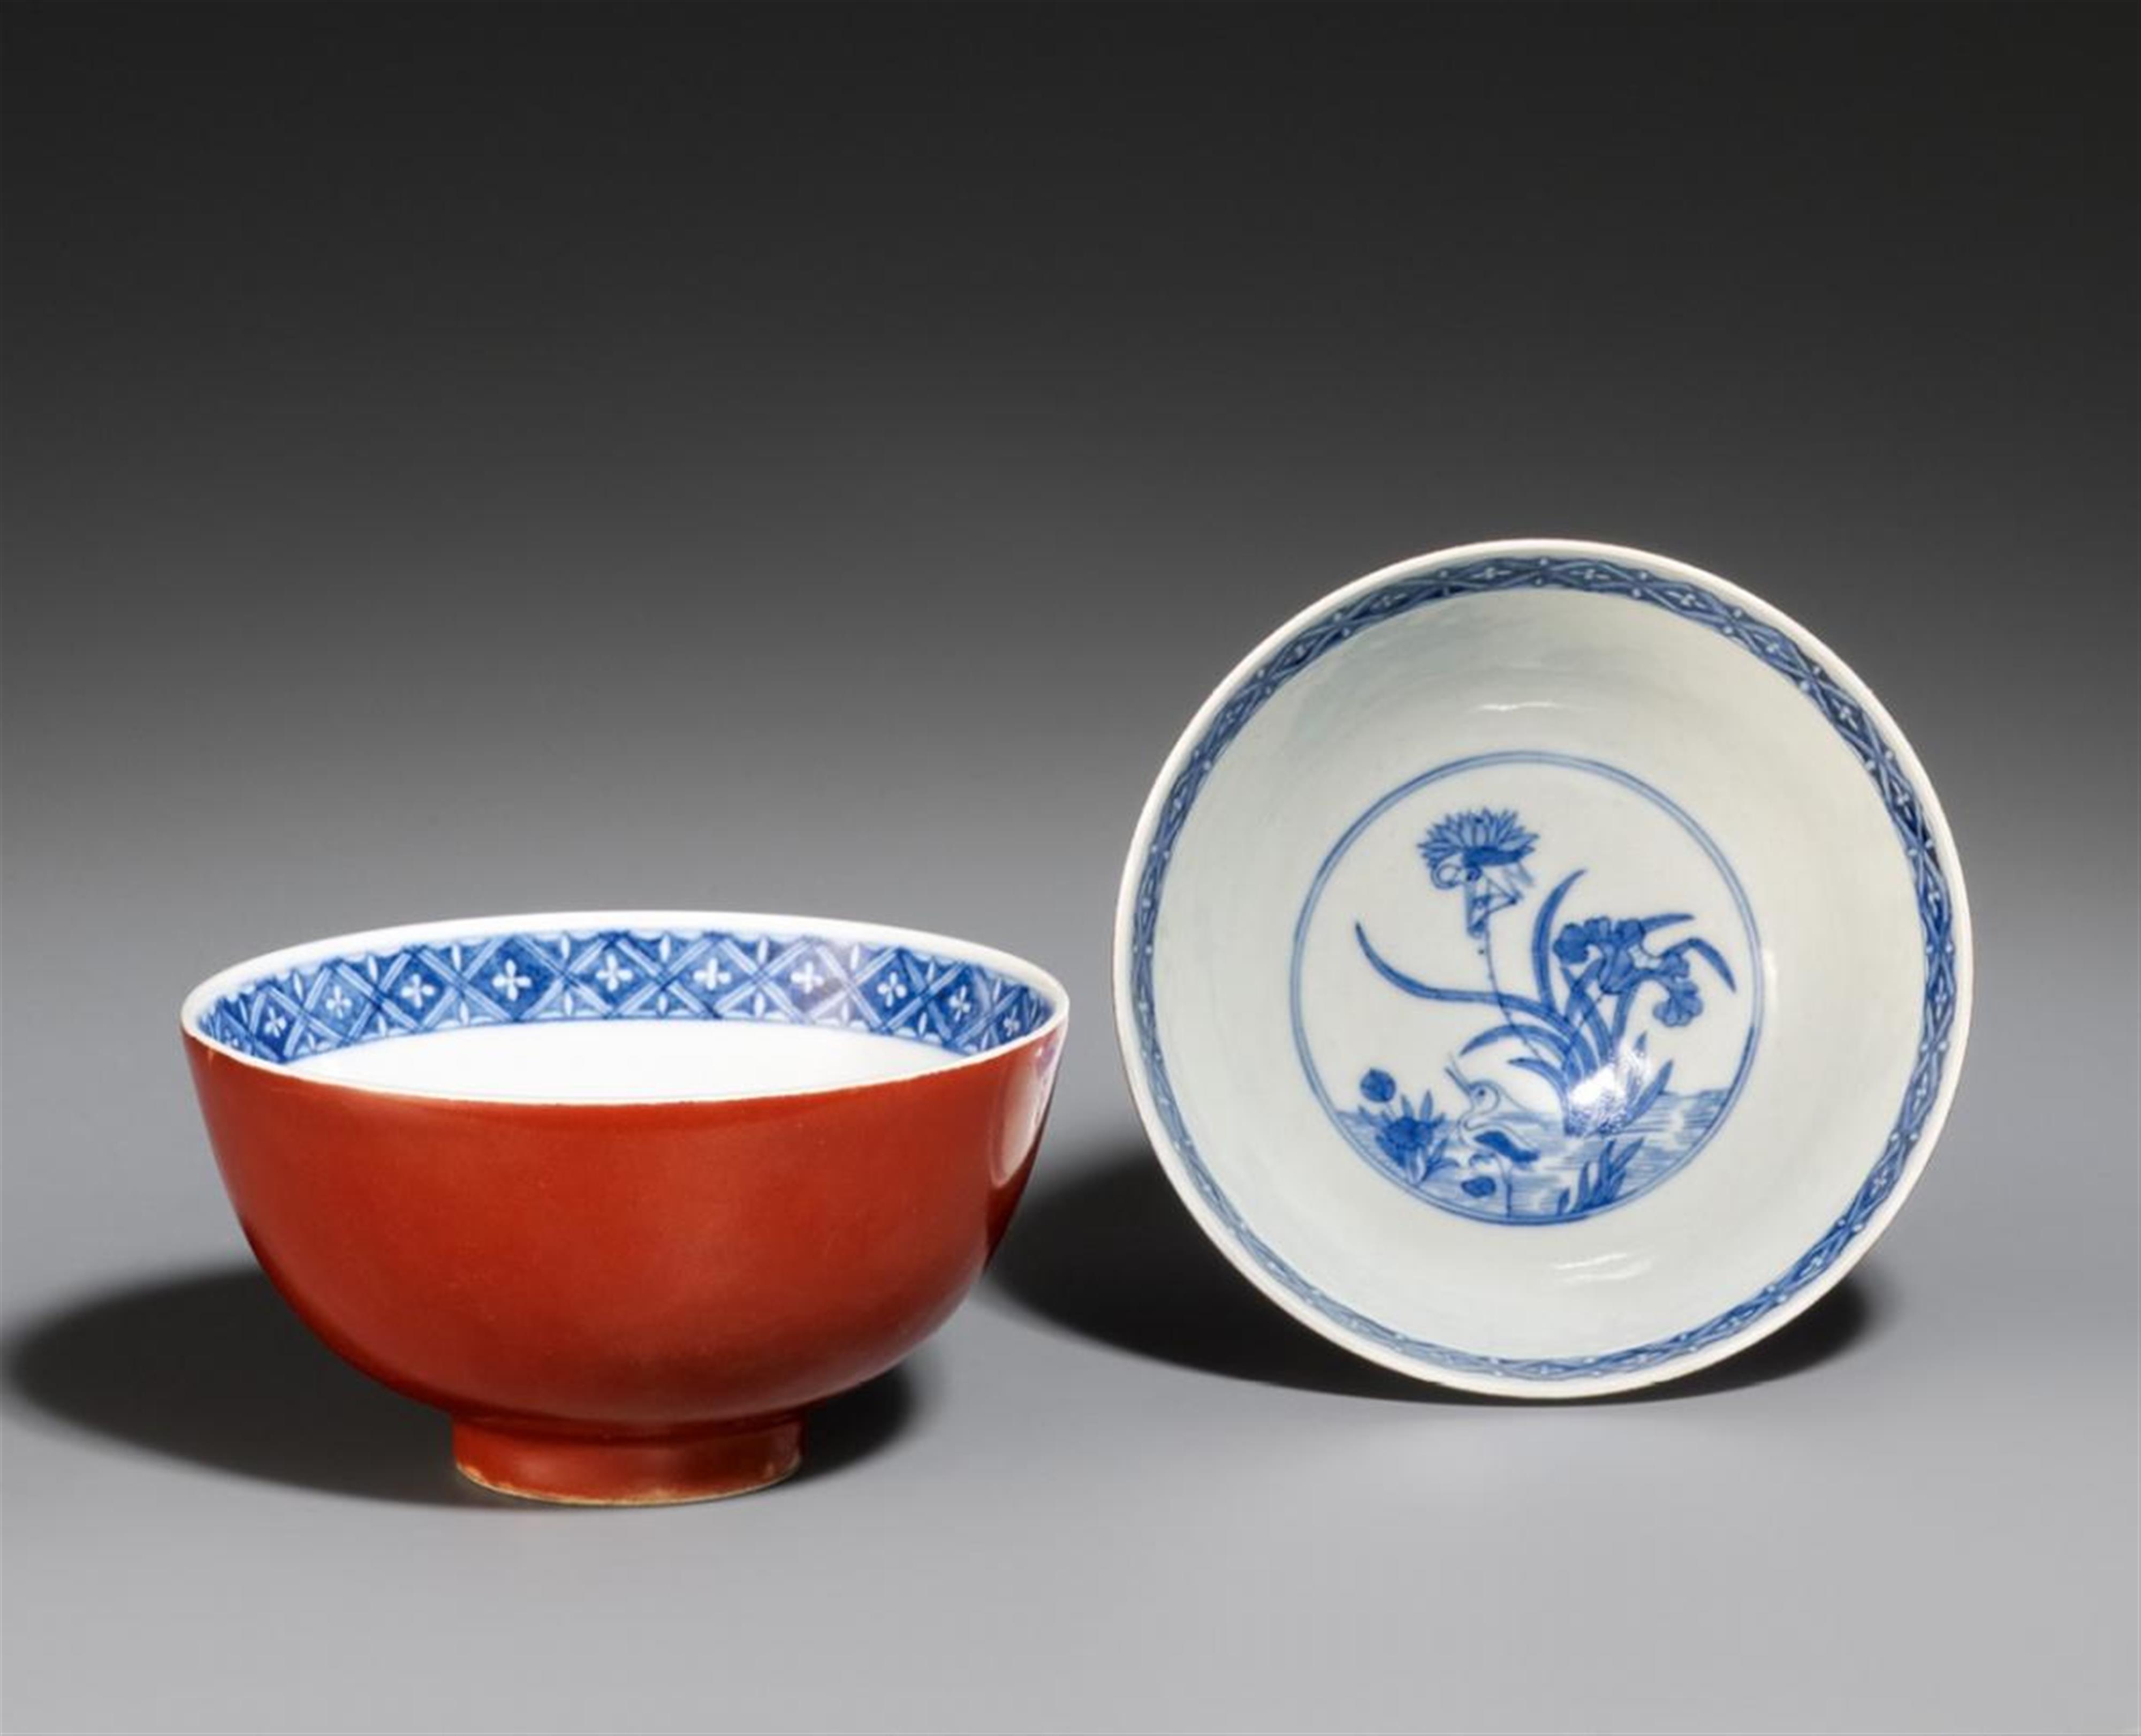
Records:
x=1592, y=575
x=1566, y=762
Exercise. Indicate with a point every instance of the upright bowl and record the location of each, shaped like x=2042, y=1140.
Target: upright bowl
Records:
x=1543, y=967
x=625, y=1193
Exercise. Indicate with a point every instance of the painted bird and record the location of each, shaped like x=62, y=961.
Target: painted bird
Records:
x=1481, y=1129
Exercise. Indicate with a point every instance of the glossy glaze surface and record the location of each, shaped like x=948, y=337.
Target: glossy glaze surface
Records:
x=1542, y=968
x=669, y=1279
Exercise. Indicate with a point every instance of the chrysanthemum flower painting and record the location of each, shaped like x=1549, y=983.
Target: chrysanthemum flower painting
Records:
x=1482, y=852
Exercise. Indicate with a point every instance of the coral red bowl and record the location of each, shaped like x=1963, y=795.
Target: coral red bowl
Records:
x=625, y=1193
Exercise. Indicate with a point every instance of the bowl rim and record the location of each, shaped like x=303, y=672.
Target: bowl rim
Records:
x=1727, y=1334
x=396, y=936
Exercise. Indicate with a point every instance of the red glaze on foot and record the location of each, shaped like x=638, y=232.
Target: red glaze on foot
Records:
x=628, y=1471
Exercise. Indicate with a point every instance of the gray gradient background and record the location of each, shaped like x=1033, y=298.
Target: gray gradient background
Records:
x=477, y=459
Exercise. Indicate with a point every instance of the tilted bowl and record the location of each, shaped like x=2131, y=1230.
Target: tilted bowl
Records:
x=625, y=1193
x=1543, y=967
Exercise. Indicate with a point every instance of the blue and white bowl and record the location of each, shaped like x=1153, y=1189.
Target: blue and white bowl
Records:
x=1542, y=968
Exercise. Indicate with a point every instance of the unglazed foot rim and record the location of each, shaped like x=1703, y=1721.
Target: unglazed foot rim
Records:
x=666, y=1470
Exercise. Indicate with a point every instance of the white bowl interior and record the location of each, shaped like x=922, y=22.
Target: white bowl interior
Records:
x=625, y=1062
x=1554, y=733
x=622, y=1007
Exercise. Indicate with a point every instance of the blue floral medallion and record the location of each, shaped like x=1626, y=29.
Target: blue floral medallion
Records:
x=1526, y=987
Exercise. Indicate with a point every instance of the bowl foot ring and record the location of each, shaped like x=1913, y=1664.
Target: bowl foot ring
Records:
x=657, y=1470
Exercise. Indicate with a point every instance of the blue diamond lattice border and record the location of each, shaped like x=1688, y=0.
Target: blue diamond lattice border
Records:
x=542, y=977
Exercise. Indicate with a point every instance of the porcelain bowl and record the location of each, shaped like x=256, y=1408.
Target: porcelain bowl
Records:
x=1543, y=967
x=625, y=1193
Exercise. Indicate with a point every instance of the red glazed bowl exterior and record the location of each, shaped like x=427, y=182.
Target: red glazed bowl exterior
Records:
x=626, y=1301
